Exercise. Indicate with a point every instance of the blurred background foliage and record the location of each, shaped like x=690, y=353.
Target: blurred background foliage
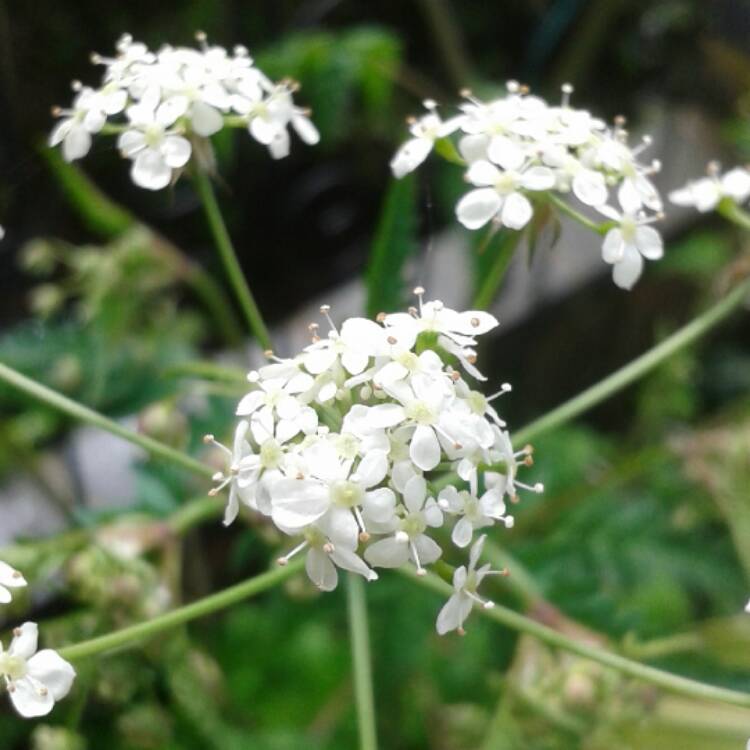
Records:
x=642, y=538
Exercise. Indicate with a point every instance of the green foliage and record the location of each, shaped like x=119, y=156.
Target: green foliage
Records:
x=393, y=244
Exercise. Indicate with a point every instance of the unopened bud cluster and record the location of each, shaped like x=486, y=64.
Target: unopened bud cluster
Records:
x=519, y=150
x=347, y=447
x=165, y=104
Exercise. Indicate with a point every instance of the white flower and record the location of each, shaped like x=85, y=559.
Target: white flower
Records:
x=425, y=131
x=34, y=680
x=87, y=115
x=626, y=245
x=410, y=541
x=466, y=581
x=323, y=557
x=475, y=513
x=10, y=578
x=705, y=194
x=154, y=149
x=499, y=194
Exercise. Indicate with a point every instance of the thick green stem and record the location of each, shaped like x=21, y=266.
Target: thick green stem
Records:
x=228, y=257
x=181, y=615
x=496, y=274
x=731, y=211
x=637, y=368
x=554, y=638
x=361, y=662
x=83, y=414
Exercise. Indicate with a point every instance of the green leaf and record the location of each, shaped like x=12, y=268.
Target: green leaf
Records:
x=447, y=149
x=395, y=240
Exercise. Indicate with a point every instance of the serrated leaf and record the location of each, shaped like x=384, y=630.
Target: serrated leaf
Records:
x=394, y=242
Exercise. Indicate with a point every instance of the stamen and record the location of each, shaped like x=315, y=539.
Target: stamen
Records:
x=420, y=570
x=567, y=90
x=211, y=440
x=284, y=559
x=325, y=310
x=504, y=388
x=538, y=487
x=430, y=104
x=419, y=291
x=363, y=535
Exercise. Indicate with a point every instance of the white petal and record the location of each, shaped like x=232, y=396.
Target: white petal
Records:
x=415, y=493
x=385, y=415
x=649, y=242
x=25, y=643
x=298, y=502
x=427, y=549
x=30, y=699
x=305, y=129
x=424, y=449
x=629, y=197
x=321, y=570
x=453, y=614
x=736, y=184
x=506, y=152
x=516, y=211
x=462, y=533
x=410, y=156
x=389, y=374
x=432, y=513
x=613, y=247
x=483, y=174
x=473, y=147
x=476, y=208
x=538, y=178
x=76, y=143
x=176, y=151
x=150, y=171
x=205, y=120
x=53, y=672
x=280, y=144
x=372, y=468
x=250, y=402
x=60, y=131
x=349, y=560
x=387, y=553
x=319, y=360
x=626, y=272
x=354, y=362
x=476, y=551
x=590, y=188
x=379, y=504
x=364, y=335
x=263, y=130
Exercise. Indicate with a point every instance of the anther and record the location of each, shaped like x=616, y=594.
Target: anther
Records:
x=380, y=317
x=17, y=632
x=475, y=322
x=364, y=536
x=471, y=358
x=208, y=439
x=488, y=605
x=419, y=290
x=268, y=353
x=460, y=631
x=200, y=36
x=466, y=93
x=16, y=574
x=328, y=548
x=429, y=104
x=282, y=561
x=392, y=340
x=56, y=111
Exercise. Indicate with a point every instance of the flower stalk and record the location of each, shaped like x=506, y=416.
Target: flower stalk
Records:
x=658, y=677
x=250, y=310
x=206, y=606
x=361, y=661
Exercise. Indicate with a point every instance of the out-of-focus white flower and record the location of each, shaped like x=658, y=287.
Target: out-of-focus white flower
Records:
x=10, y=578
x=425, y=131
x=626, y=245
x=87, y=116
x=705, y=194
x=154, y=148
x=520, y=151
x=174, y=96
x=500, y=196
x=466, y=581
x=34, y=680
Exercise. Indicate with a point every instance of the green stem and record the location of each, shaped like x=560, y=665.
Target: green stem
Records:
x=228, y=256
x=496, y=274
x=83, y=414
x=193, y=513
x=731, y=211
x=182, y=615
x=638, y=367
x=554, y=638
x=568, y=210
x=208, y=371
x=361, y=662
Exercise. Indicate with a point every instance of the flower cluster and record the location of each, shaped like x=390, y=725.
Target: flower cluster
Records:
x=706, y=193
x=165, y=104
x=348, y=445
x=520, y=151
x=34, y=680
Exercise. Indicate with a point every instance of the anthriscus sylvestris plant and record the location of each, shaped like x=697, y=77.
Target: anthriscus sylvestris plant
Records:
x=339, y=446
x=521, y=152
x=379, y=444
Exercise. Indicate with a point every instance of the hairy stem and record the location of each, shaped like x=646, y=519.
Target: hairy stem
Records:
x=554, y=638
x=181, y=615
x=361, y=661
x=636, y=369
x=228, y=257
x=83, y=414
